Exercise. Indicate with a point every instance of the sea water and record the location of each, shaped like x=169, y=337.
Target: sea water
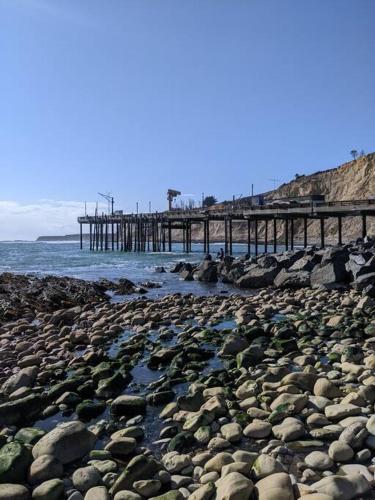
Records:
x=66, y=259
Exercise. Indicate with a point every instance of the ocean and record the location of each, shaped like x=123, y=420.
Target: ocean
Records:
x=66, y=259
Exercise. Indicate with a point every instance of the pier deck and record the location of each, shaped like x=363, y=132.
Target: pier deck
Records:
x=154, y=231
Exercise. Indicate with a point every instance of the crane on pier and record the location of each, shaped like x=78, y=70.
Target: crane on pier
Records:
x=110, y=200
x=171, y=194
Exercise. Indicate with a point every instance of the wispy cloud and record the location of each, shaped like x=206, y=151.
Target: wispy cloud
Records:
x=27, y=221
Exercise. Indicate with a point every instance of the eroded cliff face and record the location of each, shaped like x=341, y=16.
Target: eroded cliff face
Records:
x=354, y=180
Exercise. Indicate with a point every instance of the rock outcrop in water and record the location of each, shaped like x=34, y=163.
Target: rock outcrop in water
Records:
x=264, y=397
x=23, y=296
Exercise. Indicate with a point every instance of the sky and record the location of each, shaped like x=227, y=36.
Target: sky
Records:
x=133, y=97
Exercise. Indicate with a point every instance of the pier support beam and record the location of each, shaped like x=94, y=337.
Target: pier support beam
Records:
x=292, y=234
x=184, y=236
x=364, y=226
x=286, y=234
x=249, y=236
x=339, y=224
x=256, y=237
x=322, y=241
x=208, y=235
x=266, y=236
x=204, y=237
x=80, y=236
x=305, y=232
x=230, y=237
x=274, y=235
x=169, y=236
x=225, y=236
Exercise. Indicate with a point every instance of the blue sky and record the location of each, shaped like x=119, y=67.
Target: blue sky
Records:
x=136, y=96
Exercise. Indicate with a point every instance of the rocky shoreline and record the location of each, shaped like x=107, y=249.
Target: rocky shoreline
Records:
x=269, y=396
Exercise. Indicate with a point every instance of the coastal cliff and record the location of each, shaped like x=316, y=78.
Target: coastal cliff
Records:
x=354, y=180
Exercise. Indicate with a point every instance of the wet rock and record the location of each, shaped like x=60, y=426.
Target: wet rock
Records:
x=67, y=442
x=45, y=467
x=121, y=446
x=289, y=430
x=181, y=441
x=319, y=460
x=275, y=487
x=20, y=410
x=97, y=493
x=127, y=405
x=232, y=432
x=127, y=495
x=24, y=378
x=14, y=462
x=29, y=435
x=14, y=492
x=354, y=435
x=140, y=467
x=234, y=486
x=265, y=465
x=86, y=410
x=294, y=403
x=49, y=490
x=342, y=487
x=85, y=478
x=340, y=452
x=340, y=411
x=216, y=463
x=258, y=429
x=170, y=495
x=147, y=487
x=174, y=462
x=324, y=387
x=204, y=492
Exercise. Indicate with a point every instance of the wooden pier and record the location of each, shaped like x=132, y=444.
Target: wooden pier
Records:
x=153, y=232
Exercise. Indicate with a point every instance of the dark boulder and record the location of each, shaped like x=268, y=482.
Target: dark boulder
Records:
x=329, y=273
x=177, y=267
x=206, y=272
x=160, y=269
x=258, y=277
x=292, y=279
x=186, y=272
x=305, y=263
